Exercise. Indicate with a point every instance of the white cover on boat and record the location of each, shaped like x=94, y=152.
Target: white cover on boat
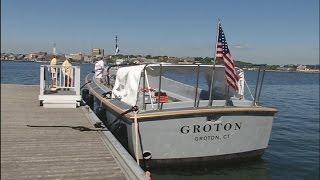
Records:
x=126, y=85
x=240, y=82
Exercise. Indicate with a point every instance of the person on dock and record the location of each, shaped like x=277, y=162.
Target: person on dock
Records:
x=98, y=70
x=67, y=73
x=54, y=73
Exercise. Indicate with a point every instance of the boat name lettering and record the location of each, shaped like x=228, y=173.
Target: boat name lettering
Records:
x=213, y=137
x=210, y=127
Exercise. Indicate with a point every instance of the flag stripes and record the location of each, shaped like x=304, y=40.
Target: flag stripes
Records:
x=224, y=53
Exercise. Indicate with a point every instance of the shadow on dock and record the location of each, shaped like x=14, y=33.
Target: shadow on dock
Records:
x=79, y=128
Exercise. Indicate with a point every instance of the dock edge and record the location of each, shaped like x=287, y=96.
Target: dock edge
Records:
x=128, y=165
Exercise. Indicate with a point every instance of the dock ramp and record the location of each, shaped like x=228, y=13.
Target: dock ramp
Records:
x=59, y=86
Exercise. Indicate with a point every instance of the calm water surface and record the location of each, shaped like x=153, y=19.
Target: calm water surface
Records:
x=293, y=151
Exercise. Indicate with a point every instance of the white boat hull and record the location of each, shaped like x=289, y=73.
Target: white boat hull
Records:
x=195, y=137
x=181, y=132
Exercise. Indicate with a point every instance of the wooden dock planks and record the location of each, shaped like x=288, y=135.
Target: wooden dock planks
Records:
x=40, y=143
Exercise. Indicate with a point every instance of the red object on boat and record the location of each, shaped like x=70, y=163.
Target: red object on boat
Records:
x=163, y=97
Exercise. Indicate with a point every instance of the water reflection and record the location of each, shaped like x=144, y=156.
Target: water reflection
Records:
x=242, y=170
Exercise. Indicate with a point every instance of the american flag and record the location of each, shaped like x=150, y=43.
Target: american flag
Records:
x=224, y=53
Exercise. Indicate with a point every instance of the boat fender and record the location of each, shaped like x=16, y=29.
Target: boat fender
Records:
x=84, y=94
x=146, y=159
x=90, y=101
x=147, y=155
x=101, y=113
x=116, y=121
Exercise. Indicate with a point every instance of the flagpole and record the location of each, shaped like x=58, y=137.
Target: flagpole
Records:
x=116, y=53
x=211, y=91
x=227, y=90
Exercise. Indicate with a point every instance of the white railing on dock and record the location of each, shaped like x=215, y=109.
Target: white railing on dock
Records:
x=59, y=78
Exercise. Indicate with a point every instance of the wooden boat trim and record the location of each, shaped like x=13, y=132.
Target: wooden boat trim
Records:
x=107, y=103
x=176, y=113
x=208, y=111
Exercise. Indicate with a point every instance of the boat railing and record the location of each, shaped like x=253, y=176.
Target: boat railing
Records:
x=156, y=90
x=108, y=78
x=259, y=83
x=194, y=70
x=56, y=77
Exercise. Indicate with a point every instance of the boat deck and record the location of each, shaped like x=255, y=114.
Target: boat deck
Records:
x=40, y=143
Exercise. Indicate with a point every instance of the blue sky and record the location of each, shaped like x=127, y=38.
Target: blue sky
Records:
x=271, y=31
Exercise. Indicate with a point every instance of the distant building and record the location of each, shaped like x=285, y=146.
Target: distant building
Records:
x=36, y=55
x=20, y=56
x=86, y=59
x=41, y=57
x=97, y=52
x=187, y=60
x=76, y=56
x=12, y=57
x=32, y=56
x=119, y=61
x=302, y=68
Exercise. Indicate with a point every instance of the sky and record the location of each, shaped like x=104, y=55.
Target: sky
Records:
x=257, y=31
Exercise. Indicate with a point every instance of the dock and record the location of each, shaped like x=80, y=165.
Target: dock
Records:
x=56, y=143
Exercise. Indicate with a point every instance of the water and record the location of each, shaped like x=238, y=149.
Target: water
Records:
x=293, y=151
x=28, y=73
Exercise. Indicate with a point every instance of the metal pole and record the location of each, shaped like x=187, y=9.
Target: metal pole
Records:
x=227, y=95
x=42, y=80
x=59, y=76
x=144, y=88
x=137, y=140
x=77, y=80
x=197, y=85
x=245, y=82
x=116, y=53
x=264, y=70
x=149, y=90
x=211, y=89
x=255, y=91
x=226, y=90
x=160, y=74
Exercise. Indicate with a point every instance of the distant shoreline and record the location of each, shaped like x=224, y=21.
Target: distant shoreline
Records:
x=308, y=72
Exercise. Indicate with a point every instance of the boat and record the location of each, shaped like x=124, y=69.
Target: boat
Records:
x=164, y=122
x=167, y=114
